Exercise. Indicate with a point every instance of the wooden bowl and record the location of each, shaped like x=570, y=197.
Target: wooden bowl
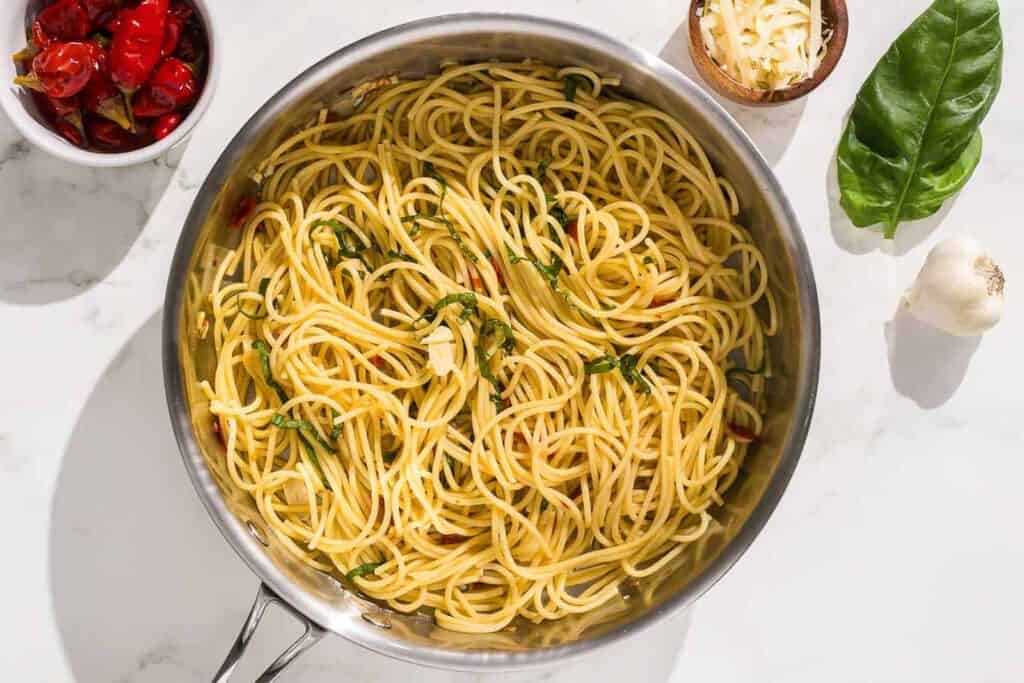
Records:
x=836, y=17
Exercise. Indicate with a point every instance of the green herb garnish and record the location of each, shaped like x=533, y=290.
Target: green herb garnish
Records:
x=467, y=299
x=268, y=376
x=450, y=461
x=304, y=428
x=389, y=456
x=542, y=168
x=363, y=570
x=548, y=272
x=649, y=261
x=494, y=327
x=264, y=283
x=397, y=255
x=627, y=365
x=346, y=248
x=335, y=428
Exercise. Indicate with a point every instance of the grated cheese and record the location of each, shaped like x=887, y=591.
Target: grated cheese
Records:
x=765, y=44
x=440, y=350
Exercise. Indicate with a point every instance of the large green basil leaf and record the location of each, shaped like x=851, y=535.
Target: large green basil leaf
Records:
x=912, y=140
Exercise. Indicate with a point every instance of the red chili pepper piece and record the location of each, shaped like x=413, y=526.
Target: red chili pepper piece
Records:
x=106, y=133
x=571, y=229
x=177, y=16
x=137, y=41
x=378, y=362
x=658, y=303
x=61, y=70
x=62, y=21
x=451, y=539
x=100, y=11
x=166, y=124
x=171, y=88
x=496, y=264
x=475, y=281
x=218, y=432
x=741, y=433
x=243, y=212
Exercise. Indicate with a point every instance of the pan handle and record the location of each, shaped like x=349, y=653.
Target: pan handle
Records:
x=264, y=598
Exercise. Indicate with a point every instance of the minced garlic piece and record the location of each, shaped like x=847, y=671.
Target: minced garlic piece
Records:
x=765, y=44
x=441, y=350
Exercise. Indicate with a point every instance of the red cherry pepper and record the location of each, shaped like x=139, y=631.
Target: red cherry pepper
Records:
x=62, y=21
x=106, y=133
x=102, y=97
x=177, y=16
x=166, y=124
x=61, y=70
x=100, y=11
x=137, y=42
x=171, y=88
x=64, y=115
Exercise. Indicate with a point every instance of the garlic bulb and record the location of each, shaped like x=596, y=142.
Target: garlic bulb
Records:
x=959, y=289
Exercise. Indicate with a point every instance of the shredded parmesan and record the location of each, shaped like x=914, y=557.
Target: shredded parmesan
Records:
x=765, y=44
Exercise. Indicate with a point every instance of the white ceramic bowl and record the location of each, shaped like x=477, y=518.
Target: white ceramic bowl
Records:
x=21, y=109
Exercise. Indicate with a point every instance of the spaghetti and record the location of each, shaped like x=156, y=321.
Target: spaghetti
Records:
x=476, y=345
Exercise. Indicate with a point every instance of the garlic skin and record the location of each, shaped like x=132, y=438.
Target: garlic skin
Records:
x=959, y=289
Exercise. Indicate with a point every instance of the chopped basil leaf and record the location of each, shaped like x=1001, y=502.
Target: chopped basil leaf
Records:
x=548, y=272
x=363, y=570
x=467, y=299
x=397, y=255
x=543, y=504
x=264, y=283
x=627, y=365
x=462, y=244
x=649, y=261
x=268, y=376
x=451, y=462
x=570, y=88
x=389, y=456
x=542, y=168
x=336, y=428
x=345, y=248
x=601, y=365
x=304, y=428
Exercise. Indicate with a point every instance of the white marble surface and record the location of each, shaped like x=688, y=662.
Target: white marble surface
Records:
x=896, y=555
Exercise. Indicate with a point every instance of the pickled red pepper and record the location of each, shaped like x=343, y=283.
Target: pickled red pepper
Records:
x=138, y=37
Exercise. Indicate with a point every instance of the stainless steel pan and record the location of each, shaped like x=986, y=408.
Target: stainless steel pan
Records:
x=320, y=601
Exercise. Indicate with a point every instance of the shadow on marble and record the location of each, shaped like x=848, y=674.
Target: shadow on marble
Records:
x=67, y=227
x=771, y=128
x=854, y=240
x=926, y=365
x=145, y=589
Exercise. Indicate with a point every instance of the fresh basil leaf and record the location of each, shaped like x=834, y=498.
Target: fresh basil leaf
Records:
x=389, y=456
x=649, y=261
x=912, y=140
x=268, y=376
x=450, y=461
x=363, y=570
